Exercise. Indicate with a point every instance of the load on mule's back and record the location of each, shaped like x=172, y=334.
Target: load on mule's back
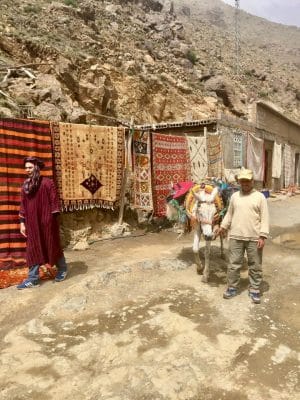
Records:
x=199, y=207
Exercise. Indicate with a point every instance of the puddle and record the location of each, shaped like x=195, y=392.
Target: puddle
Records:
x=288, y=240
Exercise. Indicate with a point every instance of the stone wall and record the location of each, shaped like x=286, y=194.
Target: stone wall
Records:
x=272, y=121
x=78, y=228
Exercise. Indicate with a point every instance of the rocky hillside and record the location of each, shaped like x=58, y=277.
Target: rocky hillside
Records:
x=77, y=60
x=269, y=60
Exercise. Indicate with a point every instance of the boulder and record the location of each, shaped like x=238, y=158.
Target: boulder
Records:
x=48, y=111
x=81, y=245
x=6, y=112
x=225, y=91
x=66, y=72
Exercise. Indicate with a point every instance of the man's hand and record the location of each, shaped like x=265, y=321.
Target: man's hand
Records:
x=260, y=242
x=23, y=229
x=221, y=231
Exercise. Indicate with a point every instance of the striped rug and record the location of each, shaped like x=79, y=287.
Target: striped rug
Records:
x=18, y=139
x=214, y=156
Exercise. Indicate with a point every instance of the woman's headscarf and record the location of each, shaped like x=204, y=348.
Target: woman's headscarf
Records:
x=32, y=183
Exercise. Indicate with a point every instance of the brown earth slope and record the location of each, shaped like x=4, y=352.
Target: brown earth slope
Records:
x=145, y=59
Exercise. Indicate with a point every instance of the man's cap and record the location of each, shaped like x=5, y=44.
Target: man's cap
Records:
x=245, y=174
x=35, y=161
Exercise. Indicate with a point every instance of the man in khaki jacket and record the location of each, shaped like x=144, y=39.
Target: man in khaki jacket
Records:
x=247, y=223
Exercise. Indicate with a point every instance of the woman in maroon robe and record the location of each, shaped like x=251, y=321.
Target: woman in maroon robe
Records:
x=39, y=224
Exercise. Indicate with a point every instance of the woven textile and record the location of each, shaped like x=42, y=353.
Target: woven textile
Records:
x=142, y=170
x=276, y=161
x=18, y=139
x=214, y=156
x=289, y=165
x=198, y=157
x=255, y=157
x=88, y=164
x=230, y=174
x=171, y=164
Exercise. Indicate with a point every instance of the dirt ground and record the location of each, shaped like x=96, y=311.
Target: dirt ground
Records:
x=133, y=321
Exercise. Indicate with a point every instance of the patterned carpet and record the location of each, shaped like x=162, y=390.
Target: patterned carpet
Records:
x=142, y=170
x=89, y=162
x=171, y=164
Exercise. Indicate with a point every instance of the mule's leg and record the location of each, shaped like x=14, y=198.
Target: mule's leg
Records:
x=196, y=242
x=207, y=261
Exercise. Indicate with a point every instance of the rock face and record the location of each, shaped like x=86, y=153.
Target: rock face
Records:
x=153, y=60
x=225, y=90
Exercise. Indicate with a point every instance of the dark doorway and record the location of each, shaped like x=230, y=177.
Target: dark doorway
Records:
x=268, y=164
x=297, y=167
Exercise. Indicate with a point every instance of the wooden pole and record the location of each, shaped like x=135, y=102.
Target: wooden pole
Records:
x=125, y=174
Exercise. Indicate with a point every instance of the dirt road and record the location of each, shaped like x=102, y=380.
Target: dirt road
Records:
x=133, y=321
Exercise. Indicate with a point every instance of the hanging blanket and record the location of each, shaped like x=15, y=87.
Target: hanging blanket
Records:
x=214, y=156
x=276, y=161
x=198, y=157
x=142, y=171
x=230, y=174
x=171, y=164
x=18, y=139
x=88, y=164
x=255, y=157
x=289, y=165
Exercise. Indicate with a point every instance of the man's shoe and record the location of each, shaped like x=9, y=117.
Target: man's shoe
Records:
x=61, y=276
x=229, y=293
x=255, y=297
x=27, y=285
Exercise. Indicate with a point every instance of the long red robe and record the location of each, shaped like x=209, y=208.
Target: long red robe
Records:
x=42, y=229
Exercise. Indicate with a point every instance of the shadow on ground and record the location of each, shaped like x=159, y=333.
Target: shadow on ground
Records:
x=77, y=268
x=218, y=265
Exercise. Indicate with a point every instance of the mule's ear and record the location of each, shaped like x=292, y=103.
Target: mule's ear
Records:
x=214, y=193
x=196, y=195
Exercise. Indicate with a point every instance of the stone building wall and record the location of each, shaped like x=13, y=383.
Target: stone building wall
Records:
x=270, y=120
x=228, y=127
x=273, y=125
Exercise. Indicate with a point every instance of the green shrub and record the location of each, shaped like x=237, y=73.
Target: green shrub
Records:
x=32, y=9
x=262, y=93
x=72, y=3
x=191, y=56
x=248, y=72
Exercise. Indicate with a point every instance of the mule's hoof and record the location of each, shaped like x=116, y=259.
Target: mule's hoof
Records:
x=199, y=270
x=204, y=279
